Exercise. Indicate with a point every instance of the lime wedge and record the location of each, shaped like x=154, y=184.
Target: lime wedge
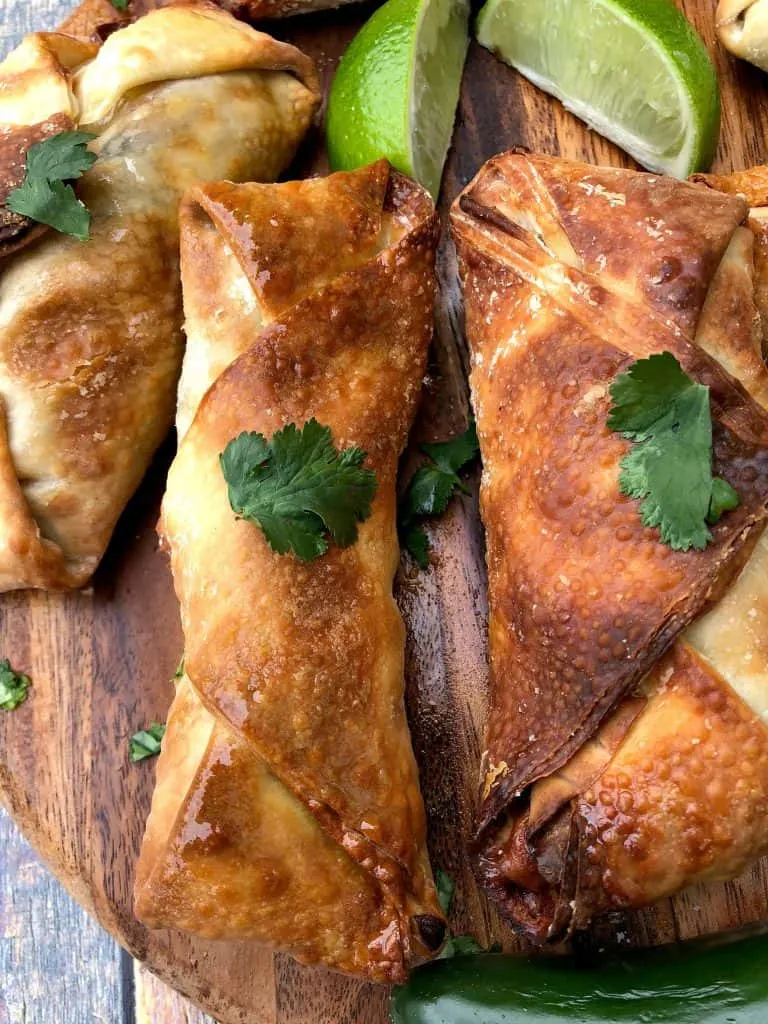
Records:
x=634, y=70
x=397, y=87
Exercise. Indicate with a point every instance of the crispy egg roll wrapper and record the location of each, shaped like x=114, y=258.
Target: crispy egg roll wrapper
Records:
x=751, y=186
x=90, y=332
x=608, y=671
x=287, y=807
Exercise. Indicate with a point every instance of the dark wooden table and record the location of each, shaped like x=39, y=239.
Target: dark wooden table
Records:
x=57, y=966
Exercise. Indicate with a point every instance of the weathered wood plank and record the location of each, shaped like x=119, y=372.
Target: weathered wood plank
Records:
x=156, y=1003
x=56, y=965
x=17, y=17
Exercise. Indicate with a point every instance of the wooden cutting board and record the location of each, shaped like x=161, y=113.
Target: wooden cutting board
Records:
x=101, y=660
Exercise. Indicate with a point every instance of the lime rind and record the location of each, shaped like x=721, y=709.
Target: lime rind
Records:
x=659, y=64
x=442, y=35
x=359, y=127
x=396, y=89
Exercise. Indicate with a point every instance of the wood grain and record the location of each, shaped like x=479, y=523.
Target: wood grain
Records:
x=55, y=964
x=157, y=1003
x=58, y=966
x=101, y=660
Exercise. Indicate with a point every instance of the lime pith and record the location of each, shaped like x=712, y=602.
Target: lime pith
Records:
x=635, y=70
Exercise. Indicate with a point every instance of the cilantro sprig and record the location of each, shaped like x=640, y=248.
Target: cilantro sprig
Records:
x=446, y=889
x=147, y=742
x=669, y=467
x=298, y=488
x=119, y=5
x=431, y=488
x=14, y=687
x=43, y=196
x=455, y=945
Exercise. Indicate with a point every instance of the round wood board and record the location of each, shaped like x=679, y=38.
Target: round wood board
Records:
x=101, y=660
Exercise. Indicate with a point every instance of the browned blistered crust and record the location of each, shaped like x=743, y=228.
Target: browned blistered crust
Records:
x=752, y=186
x=570, y=273
x=687, y=793
x=90, y=346
x=88, y=18
x=668, y=250
x=296, y=669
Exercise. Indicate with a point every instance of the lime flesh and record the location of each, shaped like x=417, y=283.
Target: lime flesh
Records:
x=397, y=87
x=634, y=70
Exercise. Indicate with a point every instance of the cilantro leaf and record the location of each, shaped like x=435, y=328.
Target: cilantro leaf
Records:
x=298, y=488
x=43, y=196
x=724, y=499
x=667, y=415
x=147, y=742
x=456, y=945
x=51, y=203
x=416, y=543
x=14, y=687
x=431, y=488
x=429, y=492
x=645, y=392
x=446, y=887
x=460, y=945
x=119, y=5
x=452, y=456
x=62, y=157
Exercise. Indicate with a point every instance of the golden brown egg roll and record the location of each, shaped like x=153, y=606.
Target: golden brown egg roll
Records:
x=626, y=749
x=752, y=186
x=90, y=332
x=287, y=807
x=742, y=28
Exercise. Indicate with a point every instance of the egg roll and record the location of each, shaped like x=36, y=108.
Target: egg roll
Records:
x=90, y=331
x=742, y=28
x=750, y=185
x=287, y=807
x=626, y=751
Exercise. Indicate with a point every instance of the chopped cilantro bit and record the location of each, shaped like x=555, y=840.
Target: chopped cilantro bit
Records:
x=431, y=488
x=453, y=455
x=456, y=945
x=446, y=887
x=416, y=543
x=147, y=742
x=460, y=945
x=724, y=499
x=14, y=687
